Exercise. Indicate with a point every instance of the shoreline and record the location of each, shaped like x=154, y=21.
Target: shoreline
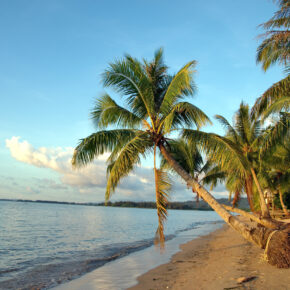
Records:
x=123, y=273
x=216, y=261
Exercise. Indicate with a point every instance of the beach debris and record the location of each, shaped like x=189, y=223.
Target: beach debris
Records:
x=245, y=279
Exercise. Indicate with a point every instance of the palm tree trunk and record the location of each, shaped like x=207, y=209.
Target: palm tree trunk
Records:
x=272, y=203
x=282, y=203
x=265, y=222
x=256, y=235
x=236, y=198
x=249, y=192
x=159, y=236
x=197, y=196
x=264, y=208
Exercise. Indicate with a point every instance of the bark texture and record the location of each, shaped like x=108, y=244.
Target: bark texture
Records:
x=278, y=249
x=236, y=198
x=264, y=208
x=249, y=192
x=269, y=223
x=282, y=203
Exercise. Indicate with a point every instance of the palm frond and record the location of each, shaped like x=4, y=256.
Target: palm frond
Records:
x=128, y=77
x=274, y=93
x=213, y=177
x=186, y=115
x=123, y=159
x=98, y=143
x=275, y=48
x=157, y=74
x=276, y=134
x=182, y=83
x=243, y=124
x=230, y=130
x=234, y=186
x=186, y=155
x=107, y=112
x=278, y=106
x=281, y=17
x=220, y=150
x=163, y=187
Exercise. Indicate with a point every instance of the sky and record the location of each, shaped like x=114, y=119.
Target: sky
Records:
x=52, y=54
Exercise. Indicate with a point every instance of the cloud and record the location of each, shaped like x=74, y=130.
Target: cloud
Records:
x=59, y=160
x=32, y=190
x=45, y=183
x=42, y=157
x=90, y=180
x=86, y=179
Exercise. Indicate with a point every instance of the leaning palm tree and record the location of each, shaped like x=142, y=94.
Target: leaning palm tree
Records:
x=155, y=107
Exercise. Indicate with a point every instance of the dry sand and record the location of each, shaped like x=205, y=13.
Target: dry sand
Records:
x=215, y=262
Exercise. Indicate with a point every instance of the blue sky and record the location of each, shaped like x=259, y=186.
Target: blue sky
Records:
x=53, y=52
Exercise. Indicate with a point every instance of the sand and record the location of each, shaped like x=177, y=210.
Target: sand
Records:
x=214, y=262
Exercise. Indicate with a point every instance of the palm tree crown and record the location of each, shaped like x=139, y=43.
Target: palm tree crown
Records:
x=276, y=44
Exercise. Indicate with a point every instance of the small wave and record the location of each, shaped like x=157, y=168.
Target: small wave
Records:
x=45, y=276
x=5, y=271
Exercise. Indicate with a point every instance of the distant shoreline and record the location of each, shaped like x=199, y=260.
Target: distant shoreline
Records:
x=186, y=205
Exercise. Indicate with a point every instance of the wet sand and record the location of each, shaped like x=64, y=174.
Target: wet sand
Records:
x=214, y=262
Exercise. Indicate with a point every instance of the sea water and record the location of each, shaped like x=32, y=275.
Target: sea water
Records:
x=43, y=245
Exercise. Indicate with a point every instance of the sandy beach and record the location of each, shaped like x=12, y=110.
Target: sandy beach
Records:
x=216, y=261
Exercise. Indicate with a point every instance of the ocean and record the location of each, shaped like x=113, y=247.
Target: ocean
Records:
x=43, y=245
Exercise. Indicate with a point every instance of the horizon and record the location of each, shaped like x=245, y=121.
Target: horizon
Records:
x=62, y=201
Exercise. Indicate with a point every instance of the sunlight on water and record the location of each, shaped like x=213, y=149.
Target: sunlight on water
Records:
x=45, y=244
x=123, y=273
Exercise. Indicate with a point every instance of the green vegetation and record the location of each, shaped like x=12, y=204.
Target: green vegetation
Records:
x=275, y=46
x=250, y=158
x=186, y=205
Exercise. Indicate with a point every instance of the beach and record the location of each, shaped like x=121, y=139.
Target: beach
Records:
x=216, y=261
x=220, y=259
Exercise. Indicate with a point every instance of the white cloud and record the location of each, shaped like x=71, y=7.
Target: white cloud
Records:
x=86, y=179
x=56, y=158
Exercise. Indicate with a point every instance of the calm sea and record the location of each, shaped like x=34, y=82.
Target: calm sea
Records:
x=42, y=245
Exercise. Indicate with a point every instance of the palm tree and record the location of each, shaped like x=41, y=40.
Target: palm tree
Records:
x=276, y=165
x=275, y=46
x=155, y=108
x=244, y=137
